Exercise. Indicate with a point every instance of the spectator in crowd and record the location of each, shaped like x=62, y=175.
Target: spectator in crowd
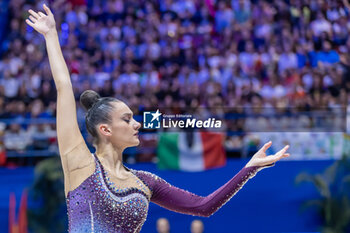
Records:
x=163, y=225
x=197, y=226
x=16, y=138
x=327, y=55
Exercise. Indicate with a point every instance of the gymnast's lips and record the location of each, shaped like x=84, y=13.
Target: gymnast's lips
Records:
x=137, y=133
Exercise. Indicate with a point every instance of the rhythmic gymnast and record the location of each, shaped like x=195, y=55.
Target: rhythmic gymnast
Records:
x=102, y=194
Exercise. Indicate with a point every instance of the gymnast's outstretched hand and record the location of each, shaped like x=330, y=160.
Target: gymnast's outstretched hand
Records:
x=260, y=158
x=42, y=23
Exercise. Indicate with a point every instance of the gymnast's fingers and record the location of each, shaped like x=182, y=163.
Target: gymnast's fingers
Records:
x=47, y=10
x=32, y=19
x=266, y=146
x=281, y=152
x=33, y=13
x=29, y=23
x=275, y=158
x=41, y=14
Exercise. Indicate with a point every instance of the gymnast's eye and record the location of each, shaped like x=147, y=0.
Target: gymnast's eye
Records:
x=126, y=120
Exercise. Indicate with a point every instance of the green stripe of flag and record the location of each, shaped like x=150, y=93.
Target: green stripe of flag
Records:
x=168, y=151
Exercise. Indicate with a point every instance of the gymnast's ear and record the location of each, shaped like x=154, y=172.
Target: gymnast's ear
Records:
x=104, y=130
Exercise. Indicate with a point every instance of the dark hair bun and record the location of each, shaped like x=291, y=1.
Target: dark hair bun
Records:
x=88, y=98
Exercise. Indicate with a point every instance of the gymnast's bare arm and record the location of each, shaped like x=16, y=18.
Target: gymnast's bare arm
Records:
x=76, y=158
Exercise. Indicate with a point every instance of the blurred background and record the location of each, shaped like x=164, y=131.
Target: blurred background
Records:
x=270, y=69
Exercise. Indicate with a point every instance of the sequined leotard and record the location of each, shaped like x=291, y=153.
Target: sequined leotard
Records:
x=98, y=205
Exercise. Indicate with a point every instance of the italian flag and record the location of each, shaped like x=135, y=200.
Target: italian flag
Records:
x=196, y=151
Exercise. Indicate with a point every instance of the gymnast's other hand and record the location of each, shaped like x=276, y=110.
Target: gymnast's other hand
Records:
x=260, y=158
x=42, y=23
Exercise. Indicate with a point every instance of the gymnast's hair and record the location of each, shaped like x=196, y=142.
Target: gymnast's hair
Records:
x=99, y=110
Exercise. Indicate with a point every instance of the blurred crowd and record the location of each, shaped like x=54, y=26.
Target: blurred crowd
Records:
x=175, y=54
x=163, y=226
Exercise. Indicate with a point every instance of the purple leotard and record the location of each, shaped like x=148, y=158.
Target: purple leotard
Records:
x=98, y=206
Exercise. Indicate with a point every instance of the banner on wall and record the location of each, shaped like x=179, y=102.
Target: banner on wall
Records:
x=304, y=145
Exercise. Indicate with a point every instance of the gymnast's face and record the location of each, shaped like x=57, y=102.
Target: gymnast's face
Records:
x=123, y=132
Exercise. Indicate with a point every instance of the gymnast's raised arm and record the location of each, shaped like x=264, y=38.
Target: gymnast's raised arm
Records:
x=73, y=150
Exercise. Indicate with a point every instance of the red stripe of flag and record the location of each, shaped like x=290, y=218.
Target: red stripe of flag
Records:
x=213, y=150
